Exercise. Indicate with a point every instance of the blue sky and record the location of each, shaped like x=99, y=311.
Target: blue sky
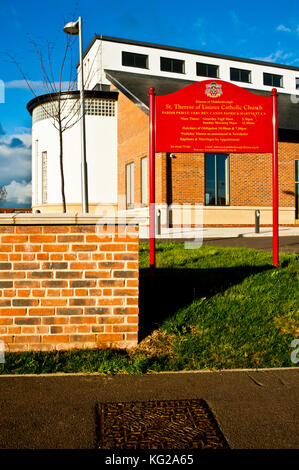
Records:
x=266, y=30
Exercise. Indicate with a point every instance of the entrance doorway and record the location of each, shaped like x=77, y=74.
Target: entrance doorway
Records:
x=216, y=179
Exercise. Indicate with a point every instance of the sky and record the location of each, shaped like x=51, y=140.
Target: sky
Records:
x=265, y=30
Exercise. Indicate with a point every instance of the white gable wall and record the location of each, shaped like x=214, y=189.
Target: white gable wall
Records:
x=109, y=56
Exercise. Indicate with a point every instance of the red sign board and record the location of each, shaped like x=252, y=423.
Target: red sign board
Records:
x=214, y=116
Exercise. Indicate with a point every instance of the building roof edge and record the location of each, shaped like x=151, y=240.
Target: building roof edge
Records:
x=38, y=100
x=187, y=51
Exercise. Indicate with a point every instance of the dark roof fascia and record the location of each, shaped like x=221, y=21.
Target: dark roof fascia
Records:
x=112, y=95
x=143, y=106
x=288, y=135
x=288, y=112
x=127, y=93
x=187, y=51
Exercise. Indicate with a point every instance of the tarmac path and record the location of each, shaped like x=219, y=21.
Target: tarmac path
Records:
x=254, y=409
x=287, y=244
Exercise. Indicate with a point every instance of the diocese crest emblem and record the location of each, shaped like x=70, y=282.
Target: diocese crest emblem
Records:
x=213, y=90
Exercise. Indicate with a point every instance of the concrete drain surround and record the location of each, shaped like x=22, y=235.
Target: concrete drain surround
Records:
x=171, y=424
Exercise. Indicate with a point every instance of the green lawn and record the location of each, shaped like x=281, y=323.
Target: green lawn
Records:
x=206, y=308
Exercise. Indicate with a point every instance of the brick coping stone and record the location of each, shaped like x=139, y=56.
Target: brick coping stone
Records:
x=69, y=219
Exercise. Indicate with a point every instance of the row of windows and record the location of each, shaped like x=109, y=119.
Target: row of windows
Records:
x=131, y=59
x=216, y=181
x=93, y=107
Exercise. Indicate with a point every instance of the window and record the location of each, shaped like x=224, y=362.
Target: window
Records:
x=44, y=178
x=297, y=188
x=93, y=107
x=131, y=59
x=239, y=75
x=172, y=65
x=144, y=181
x=36, y=172
x=272, y=80
x=130, y=185
x=297, y=83
x=216, y=179
x=99, y=107
x=207, y=70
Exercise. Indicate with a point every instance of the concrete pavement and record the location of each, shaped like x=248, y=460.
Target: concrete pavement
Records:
x=254, y=409
x=233, y=236
x=287, y=244
x=217, y=232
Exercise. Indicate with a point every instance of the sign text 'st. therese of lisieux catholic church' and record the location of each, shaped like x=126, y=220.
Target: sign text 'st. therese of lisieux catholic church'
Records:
x=213, y=117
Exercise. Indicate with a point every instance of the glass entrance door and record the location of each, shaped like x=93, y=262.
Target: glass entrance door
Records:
x=216, y=179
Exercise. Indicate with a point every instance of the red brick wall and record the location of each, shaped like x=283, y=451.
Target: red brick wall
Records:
x=250, y=179
x=186, y=178
x=287, y=154
x=68, y=286
x=132, y=145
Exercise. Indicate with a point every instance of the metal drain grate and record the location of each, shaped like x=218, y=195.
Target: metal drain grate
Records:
x=173, y=424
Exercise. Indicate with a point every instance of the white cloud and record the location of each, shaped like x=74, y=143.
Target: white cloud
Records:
x=274, y=56
x=23, y=84
x=284, y=28
x=15, y=158
x=23, y=130
x=18, y=193
x=25, y=137
x=36, y=85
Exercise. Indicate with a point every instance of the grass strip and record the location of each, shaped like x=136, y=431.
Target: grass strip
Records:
x=205, y=308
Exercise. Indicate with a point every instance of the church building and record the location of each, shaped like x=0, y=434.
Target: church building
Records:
x=228, y=187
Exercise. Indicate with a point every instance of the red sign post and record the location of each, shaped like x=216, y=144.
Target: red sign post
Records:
x=152, y=175
x=213, y=116
x=275, y=240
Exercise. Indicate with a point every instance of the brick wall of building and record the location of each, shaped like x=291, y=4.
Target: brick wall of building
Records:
x=287, y=154
x=250, y=177
x=133, y=135
x=68, y=286
x=132, y=145
x=186, y=178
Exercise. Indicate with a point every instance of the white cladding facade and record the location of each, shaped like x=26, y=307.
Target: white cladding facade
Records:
x=101, y=155
x=106, y=53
